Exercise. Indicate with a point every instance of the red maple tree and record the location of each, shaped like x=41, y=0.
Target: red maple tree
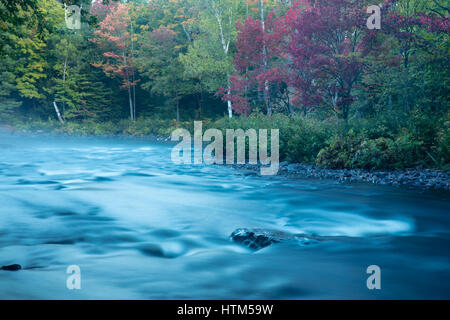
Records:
x=115, y=40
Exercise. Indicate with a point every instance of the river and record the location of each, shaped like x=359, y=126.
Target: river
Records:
x=141, y=227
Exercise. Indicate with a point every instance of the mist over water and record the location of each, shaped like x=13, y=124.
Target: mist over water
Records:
x=141, y=227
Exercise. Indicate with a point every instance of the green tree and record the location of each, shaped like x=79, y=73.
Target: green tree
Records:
x=158, y=63
x=210, y=57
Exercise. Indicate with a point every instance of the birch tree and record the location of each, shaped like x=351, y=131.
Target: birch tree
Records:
x=264, y=55
x=210, y=55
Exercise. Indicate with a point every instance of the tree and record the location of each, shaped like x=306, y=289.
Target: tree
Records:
x=77, y=87
x=114, y=38
x=9, y=99
x=12, y=13
x=410, y=71
x=159, y=64
x=326, y=46
x=209, y=57
x=26, y=65
x=260, y=65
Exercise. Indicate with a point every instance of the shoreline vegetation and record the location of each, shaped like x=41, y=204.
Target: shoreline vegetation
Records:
x=309, y=148
x=348, y=99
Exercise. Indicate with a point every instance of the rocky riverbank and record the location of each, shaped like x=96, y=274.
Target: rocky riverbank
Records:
x=415, y=178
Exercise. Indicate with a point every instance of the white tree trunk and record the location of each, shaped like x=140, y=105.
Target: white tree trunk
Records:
x=132, y=74
x=127, y=78
x=188, y=37
x=58, y=113
x=65, y=69
x=131, y=104
x=225, y=46
x=264, y=54
x=230, y=106
x=230, y=109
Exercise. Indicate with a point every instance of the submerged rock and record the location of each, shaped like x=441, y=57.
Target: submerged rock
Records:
x=257, y=239
x=12, y=267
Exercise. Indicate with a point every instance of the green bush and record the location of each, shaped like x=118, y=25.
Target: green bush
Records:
x=305, y=138
x=374, y=154
x=300, y=138
x=443, y=146
x=358, y=151
x=338, y=153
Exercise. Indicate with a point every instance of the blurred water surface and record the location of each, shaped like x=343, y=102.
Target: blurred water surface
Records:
x=141, y=227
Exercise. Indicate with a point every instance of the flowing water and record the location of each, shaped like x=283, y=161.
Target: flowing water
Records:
x=141, y=227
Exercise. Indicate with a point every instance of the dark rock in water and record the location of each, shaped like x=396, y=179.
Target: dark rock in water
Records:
x=260, y=238
x=12, y=267
x=254, y=239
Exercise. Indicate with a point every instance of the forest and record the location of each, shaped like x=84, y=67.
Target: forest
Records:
x=342, y=94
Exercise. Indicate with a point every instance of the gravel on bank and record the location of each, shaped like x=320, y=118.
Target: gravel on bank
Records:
x=415, y=178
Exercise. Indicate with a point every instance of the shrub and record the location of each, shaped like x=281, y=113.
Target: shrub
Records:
x=374, y=154
x=305, y=138
x=357, y=151
x=443, y=147
x=338, y=154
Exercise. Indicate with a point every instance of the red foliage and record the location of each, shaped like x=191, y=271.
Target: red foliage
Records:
x=326, y=47
x=102, y=10
x=113, y=39
x=314, y=49
x=318, y=52
x=252, y=73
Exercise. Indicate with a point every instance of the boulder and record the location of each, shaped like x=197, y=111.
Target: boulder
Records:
x=257, y=239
